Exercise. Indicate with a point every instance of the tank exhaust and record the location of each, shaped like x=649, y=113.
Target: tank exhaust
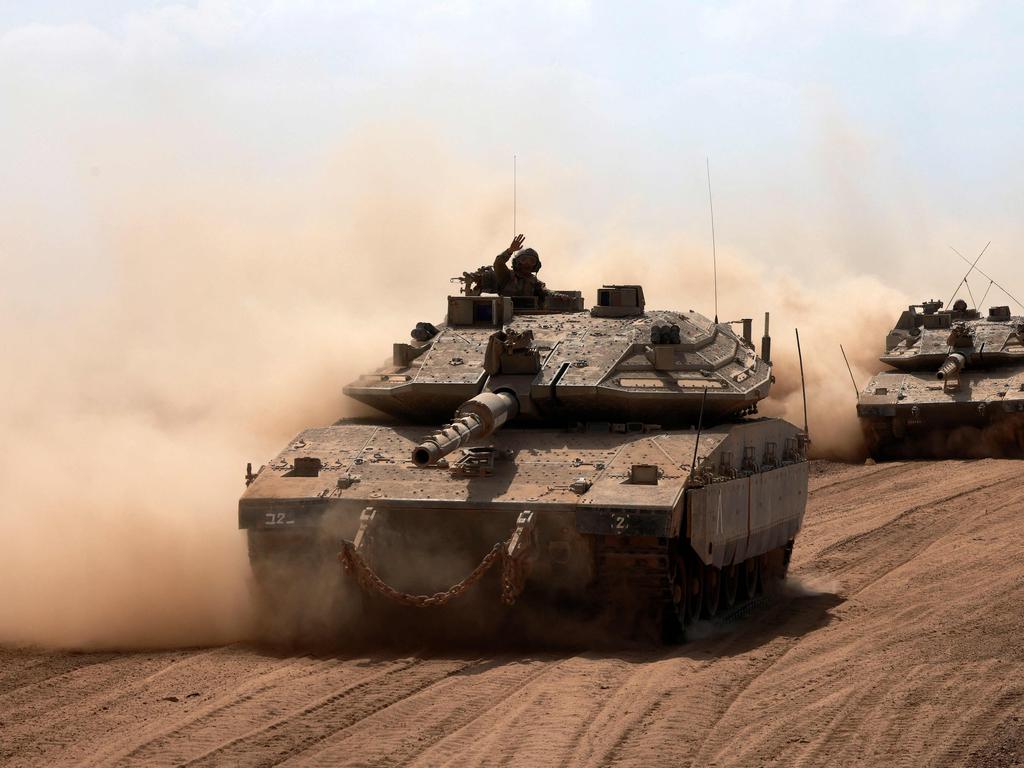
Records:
x=766, y=343
x=475, y=419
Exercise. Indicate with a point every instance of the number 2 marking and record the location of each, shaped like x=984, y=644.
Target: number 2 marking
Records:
x=276, y=518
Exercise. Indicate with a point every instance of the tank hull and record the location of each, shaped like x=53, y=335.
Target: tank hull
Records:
x=914, y=415
x=619, y=518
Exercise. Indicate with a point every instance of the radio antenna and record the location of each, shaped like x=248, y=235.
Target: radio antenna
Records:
x=988, y=277
x=714, y=251
x=803, y=387
x=970, y=293
x=982, y=302
x=973, y=265
x=856, y=389
x=696, y=441
x=515, y=229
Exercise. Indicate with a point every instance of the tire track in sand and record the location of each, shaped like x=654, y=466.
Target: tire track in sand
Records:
x=863, y=558
x=861, y=505
x=438, y=713
x=279, y=685
x=63, y=710
x=296, y=732
x=23, y=668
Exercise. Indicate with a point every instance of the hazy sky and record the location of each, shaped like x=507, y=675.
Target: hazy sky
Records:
x=867, y=134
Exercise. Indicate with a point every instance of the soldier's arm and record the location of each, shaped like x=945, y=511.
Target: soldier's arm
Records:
x=501, y=269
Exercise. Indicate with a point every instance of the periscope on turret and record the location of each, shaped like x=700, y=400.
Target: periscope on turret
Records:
x=955, y=388
x=616, y=451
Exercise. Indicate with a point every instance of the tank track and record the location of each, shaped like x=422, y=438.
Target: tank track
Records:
x=888, y=440
x=632, y=583
x=641, y=570
x=640, y=563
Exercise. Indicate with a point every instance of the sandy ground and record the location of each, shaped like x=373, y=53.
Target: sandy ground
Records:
x=898, y=643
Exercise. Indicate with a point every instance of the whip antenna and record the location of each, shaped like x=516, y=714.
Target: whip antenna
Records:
x=982, y=302
x=514, y=229
x=714, y=251
x=988, y=277
x=856, y=389
x=803, y=387
x=696, y=442
x=973, y=265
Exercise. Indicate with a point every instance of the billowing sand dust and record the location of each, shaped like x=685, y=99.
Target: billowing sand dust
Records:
x=898, y=643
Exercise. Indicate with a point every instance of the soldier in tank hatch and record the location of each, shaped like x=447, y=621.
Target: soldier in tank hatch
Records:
x=521, y=280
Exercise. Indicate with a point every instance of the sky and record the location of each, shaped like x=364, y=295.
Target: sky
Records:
x=870, y=135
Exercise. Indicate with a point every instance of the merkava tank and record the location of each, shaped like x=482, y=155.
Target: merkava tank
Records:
x=957, y=388
x=607, y=459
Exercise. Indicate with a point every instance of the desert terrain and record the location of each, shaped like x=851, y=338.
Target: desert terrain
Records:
x=897, y=642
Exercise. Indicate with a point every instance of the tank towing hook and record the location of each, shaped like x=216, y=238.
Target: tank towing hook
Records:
x=366, y=518
x=522, y=538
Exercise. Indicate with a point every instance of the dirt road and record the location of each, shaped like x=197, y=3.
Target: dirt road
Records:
x=899, y=643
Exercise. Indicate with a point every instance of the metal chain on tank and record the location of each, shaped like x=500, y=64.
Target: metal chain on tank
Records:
x=513, y=577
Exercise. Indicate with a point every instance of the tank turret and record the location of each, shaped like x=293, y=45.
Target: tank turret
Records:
x=618, y=362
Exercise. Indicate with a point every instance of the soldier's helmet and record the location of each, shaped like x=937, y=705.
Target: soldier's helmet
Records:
x=526, y=261
x=959, y=305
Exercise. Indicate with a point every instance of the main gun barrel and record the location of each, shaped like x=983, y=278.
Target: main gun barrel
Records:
x=951, y=367
x=475, y=419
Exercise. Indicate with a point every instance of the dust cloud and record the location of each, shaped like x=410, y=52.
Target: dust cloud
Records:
x=216, y=317
x=210, y=316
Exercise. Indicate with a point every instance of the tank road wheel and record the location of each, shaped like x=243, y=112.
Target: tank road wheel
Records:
x=787, y=555
x=751, y=569
x=764, y=567
x=774, y=565
x=695, y=593
x=674, y=617
x=730, y=585
x=712, y=590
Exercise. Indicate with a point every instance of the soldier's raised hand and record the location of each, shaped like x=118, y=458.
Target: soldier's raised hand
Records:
x=517, y=243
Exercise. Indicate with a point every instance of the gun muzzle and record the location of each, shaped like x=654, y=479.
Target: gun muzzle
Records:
x=475, y=419
x=951, y=367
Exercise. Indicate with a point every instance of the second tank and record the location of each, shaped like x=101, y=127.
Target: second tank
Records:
x=956, y=388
